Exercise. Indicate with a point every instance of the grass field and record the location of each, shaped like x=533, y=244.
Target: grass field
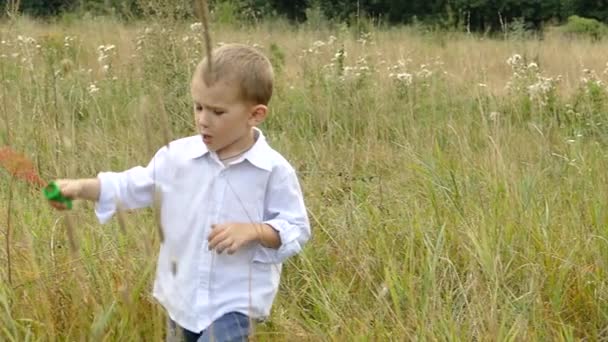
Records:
x=456, y=184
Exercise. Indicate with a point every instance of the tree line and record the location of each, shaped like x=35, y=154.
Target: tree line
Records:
x=474, y=15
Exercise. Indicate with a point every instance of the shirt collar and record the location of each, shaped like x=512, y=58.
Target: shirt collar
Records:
x=197, y=148
x=257, y=155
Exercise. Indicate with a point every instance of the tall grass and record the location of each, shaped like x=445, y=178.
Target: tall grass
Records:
x=456, y=185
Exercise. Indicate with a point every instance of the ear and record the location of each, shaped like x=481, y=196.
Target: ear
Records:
x=258, y=114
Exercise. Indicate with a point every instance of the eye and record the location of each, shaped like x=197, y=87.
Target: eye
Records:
x=218, y=112
x=198, y=108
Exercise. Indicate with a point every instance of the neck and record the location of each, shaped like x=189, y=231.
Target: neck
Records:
x=238, y=147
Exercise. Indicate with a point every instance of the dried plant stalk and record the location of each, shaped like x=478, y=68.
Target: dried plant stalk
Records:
x=203, y=13
x=157, y=209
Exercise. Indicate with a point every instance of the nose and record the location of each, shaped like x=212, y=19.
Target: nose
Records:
x=202, y=119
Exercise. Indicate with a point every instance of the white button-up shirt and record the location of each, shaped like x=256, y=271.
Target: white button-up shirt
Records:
x=195, y=285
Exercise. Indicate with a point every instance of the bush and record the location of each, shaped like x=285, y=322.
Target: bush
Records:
x=585, y=26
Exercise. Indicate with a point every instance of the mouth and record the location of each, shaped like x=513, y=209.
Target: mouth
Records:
x=207, y=138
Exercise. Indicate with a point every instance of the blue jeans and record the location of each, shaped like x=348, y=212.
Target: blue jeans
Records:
x=232, y=327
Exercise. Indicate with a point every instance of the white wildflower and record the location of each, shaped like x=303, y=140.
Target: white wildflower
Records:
x=318, y=44
x=424, y=73
x=383, y=291
x=405, y=78
x=68, y=40
x=93, y=88
x=591, y=78
x=196, y=27
x=541, y=90
x=340, y=54
x=514, y=60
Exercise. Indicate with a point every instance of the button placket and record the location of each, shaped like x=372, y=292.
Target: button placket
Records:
x=217, y=191
x=205, y=263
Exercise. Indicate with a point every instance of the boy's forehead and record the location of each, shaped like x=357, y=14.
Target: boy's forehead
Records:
x=218, y=92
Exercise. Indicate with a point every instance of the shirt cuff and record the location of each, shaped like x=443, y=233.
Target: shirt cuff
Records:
x=290, y=245
x=105, y=206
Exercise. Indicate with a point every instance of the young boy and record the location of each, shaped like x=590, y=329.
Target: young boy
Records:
x=231, y=207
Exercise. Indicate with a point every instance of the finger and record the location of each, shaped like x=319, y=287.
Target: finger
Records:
x=57, y=205
x=215, y=230
x=217, y=239
x=222, y=246
x=233, y=248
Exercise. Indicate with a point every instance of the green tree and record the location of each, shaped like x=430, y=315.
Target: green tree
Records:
x=478, y=15
x=45, y=7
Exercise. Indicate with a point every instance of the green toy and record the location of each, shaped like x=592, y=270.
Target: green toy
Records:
x=53, y=193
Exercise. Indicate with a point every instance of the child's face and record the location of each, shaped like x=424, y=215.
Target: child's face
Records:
x=222, y=118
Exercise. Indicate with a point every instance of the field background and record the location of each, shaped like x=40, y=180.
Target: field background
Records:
x=456, y=184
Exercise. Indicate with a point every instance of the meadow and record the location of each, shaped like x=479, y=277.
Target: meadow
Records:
x=456, y=184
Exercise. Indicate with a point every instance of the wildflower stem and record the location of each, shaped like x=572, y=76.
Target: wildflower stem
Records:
x=4, y=99
x=8, y=233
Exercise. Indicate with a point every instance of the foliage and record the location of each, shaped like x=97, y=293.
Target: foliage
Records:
x=585, y=26
x=474, y=15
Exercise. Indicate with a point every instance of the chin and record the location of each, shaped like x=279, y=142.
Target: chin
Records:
x=211, y=148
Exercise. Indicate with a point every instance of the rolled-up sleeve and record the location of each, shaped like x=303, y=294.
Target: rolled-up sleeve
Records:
x=133, y=188
x=284, y=210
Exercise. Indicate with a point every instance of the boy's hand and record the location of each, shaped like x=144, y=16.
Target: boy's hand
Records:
x=70, y=188
x=230, y=237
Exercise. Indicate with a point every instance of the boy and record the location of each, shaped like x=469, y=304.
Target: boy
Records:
x=231, y=211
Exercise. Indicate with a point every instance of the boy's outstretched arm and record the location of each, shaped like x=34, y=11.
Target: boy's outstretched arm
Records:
x=85, y=188
x=133, y=188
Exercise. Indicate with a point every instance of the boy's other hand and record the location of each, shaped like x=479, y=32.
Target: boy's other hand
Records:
x=230, y=237
x=69, y=188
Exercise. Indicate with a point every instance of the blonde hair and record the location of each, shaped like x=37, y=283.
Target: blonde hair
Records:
x=241, y=65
